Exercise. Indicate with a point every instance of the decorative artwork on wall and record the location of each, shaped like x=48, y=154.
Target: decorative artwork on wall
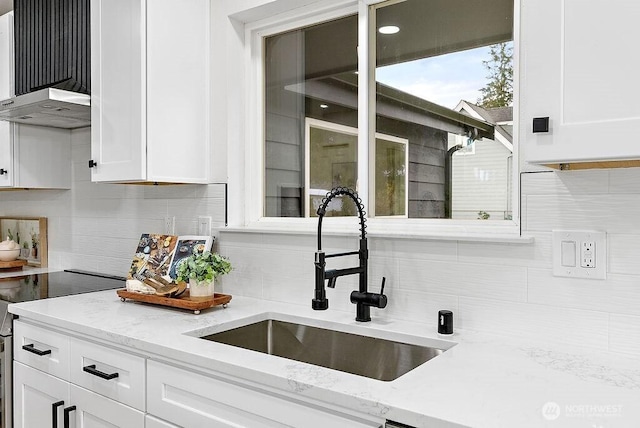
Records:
x=31, y=234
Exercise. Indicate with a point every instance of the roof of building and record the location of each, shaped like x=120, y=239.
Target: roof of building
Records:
x=501, y=117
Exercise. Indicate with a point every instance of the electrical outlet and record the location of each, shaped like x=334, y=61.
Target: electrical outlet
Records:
x=588, y=259
x=204, y=225
x=170, y=225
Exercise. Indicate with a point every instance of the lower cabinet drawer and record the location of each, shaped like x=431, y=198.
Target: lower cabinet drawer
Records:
x=41, y=348
x=191, y=399
x=108, y=371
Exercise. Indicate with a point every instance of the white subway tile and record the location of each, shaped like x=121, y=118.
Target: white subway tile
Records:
x=592, y=211
x=540, y=323
x=566, y=182
x=623, y=253
x=415, y=249
x=578, y=293
x=624, y=180
x=498, y=282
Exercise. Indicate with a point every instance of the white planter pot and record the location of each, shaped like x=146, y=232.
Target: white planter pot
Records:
x=201, y=288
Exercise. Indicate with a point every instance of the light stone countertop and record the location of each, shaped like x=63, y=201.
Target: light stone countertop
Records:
x=483, y=381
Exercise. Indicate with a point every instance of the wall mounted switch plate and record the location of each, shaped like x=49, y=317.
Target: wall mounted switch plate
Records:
x=204, y=225
x=579, y=254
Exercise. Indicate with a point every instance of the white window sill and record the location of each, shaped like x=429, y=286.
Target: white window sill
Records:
x=439, y=230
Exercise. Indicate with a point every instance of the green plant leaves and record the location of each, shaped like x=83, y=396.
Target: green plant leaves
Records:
x=203, y=266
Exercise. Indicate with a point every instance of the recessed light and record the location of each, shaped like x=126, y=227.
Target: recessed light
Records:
x=389, y=29
x=324, y=106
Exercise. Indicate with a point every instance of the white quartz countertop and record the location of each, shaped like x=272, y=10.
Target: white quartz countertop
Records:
x=483, y=381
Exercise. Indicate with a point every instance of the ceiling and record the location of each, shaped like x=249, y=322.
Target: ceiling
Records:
x=5, y=6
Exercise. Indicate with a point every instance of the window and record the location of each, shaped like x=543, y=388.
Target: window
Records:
x=441, y=141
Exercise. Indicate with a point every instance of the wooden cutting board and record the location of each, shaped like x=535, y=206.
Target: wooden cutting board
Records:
x=13, y=265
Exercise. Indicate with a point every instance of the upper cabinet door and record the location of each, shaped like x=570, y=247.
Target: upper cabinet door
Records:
x=178, y=91
x=579, y=67
x=118, y=95
x=6, y=75
x=150, y=91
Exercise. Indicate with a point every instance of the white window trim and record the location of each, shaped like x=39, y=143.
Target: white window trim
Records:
x=252, y=219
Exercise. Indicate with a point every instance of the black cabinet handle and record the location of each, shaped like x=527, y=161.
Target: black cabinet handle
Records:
x=92, y=370
x=66, y=411
x=54, y=413
x=92, y=163
x=3, y=171
x=33, y=350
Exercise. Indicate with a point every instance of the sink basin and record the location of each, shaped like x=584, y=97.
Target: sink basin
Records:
x=372, y=357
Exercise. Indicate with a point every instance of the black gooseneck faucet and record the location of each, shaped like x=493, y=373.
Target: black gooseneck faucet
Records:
x=362, y=298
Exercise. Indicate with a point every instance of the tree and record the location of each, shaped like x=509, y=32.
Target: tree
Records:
x=499, y=89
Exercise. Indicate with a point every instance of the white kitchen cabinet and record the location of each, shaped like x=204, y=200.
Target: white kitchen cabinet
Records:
x=39, y=397
x=193, y=400
x=30, y=156
x=150, y=91
x=579, y=67
x=35, y=396
x=50, y=367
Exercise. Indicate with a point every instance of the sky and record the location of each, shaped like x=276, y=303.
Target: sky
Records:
x=444, y=80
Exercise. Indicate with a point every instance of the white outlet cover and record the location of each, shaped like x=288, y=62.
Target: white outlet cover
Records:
x=560, y=268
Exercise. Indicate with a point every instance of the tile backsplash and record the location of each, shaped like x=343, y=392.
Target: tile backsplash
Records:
x=96, y=226
x=489, y=286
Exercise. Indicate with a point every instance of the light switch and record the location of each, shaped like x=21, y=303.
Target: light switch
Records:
x=568, y=254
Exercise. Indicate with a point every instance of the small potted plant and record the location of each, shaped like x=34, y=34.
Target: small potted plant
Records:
x=201, y=270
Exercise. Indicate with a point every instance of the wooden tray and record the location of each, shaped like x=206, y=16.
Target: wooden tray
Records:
x=195, y=304
x=13, y=265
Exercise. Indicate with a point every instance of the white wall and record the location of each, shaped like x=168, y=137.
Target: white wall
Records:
x=506, y=288
x=96, y=226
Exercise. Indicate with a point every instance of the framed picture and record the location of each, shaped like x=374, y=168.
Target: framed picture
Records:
x=186, y=246
x=31, y=234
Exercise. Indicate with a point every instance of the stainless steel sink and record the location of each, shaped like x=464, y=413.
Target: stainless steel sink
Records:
x=371, y=357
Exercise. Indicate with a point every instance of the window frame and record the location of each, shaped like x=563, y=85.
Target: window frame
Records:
x=254, y=184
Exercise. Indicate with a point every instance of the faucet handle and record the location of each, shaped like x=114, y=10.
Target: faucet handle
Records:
x=370, y=299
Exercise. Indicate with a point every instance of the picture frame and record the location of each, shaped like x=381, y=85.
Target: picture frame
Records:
x=29, y=231
x=185, y=246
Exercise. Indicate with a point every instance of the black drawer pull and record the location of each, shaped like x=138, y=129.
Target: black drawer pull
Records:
x=66, y=411
x=92, y=370
x=33, y=350
x=54, y=413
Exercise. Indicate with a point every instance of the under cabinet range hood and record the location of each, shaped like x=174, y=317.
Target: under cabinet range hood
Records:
x=52, y=51
x=48, y=107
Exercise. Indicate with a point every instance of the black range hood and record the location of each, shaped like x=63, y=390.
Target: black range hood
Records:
x=52, y=64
